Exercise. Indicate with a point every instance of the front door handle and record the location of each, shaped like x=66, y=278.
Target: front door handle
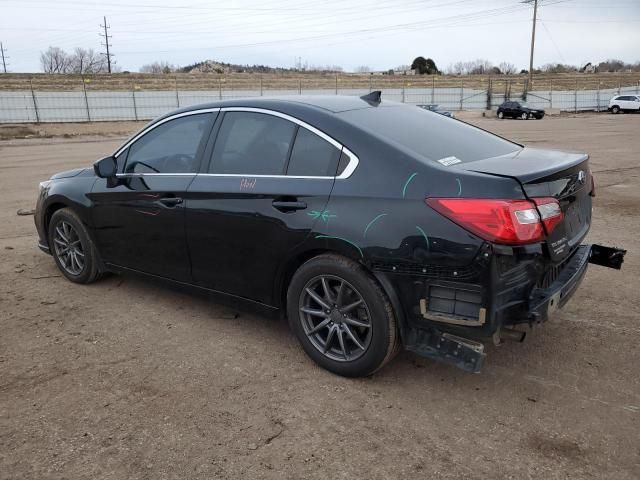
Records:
x=284, y=206
x=170, y=201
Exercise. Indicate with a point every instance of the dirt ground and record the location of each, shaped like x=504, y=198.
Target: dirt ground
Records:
x=129, y=379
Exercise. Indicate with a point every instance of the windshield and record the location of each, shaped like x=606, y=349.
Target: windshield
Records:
x=431, y=135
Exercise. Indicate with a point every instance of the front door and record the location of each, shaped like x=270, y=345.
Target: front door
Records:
x=267, y=184
x=139, y=218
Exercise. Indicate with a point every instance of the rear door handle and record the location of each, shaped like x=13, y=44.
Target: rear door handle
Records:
x=170, y=201
x=288, y=206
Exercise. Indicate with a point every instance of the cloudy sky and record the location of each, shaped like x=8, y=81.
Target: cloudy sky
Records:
x=349, y=33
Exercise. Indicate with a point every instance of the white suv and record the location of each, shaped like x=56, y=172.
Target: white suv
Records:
x=624, y=103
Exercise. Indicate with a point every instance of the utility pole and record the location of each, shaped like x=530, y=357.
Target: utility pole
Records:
x=4, y=59
x=106, y=43
x=533, y=38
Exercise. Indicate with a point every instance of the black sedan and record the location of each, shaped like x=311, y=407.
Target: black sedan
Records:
x=519, y=110
x=370, y=225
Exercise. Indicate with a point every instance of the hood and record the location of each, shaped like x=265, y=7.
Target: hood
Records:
x=68, y=173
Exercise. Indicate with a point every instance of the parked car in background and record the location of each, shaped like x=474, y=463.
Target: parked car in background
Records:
x=521, y=110
x=432, y=107
x=624, y=103
x=370, y=225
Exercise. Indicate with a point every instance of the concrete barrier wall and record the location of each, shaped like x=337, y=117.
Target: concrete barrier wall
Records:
x=27, y=106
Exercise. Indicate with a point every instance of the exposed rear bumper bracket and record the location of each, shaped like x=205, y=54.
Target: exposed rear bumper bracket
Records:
x=446, y=348
x=607, y=256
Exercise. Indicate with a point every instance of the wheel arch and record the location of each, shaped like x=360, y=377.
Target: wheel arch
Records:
x=385, y=284
x=52, y=208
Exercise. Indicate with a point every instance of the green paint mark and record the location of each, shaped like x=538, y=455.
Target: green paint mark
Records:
x=344, y=240
x=404, y=189
x=459, y=186
x=425, y=236
x=325, y=215
x=372, y=222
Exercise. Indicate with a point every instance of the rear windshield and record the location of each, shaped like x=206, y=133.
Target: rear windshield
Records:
x=431, y=135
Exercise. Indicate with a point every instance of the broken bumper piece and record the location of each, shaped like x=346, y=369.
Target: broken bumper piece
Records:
x=469, y=354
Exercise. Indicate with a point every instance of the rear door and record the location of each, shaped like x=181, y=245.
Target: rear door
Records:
x=139, y=218
x=267, y=183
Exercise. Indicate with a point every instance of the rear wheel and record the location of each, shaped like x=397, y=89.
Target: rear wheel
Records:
x=524, y=116
x=500, y=115
x=615, y=109
x=72, y=248
x=341, y=316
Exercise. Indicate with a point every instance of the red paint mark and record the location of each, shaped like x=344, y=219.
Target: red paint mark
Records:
x=247, y=183
x=151, y=195
x=153, y=214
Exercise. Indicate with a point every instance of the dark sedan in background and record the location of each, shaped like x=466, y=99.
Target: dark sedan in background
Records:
x=370, y=225
x=433, y=107
x=513, y=109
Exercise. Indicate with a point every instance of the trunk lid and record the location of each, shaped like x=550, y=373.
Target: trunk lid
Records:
x=548, y=173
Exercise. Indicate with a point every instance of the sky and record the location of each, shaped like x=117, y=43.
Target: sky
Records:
x=349, y=33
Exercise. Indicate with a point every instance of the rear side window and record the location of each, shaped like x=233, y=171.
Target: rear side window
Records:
x=169, y=148
x=312, y=156
x=252, y=143
x=430, y=135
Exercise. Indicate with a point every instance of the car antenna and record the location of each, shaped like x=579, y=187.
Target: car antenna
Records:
x=374, y=98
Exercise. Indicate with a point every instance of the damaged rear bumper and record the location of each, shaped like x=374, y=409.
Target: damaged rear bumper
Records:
x=545, y=301
x=457, y=349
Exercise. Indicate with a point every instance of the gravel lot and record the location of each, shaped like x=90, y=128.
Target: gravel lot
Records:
x=127, y=379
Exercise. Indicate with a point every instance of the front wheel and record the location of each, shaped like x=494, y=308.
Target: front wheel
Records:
x=500, y=115
x=524, y=116
x=341, y=316
x=72, y=248
x=615, y=109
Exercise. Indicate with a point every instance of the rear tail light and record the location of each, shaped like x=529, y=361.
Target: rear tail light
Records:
x=593, y=184
x=510, y=222
x=550, y=213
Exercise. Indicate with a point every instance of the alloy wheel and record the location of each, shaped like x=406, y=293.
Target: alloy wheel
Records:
x=68, y=248
x=335, y=318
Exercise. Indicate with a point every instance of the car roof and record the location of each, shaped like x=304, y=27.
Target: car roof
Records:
x=330, y=103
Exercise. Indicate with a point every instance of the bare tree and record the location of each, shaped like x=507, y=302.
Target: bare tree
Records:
x=159, y=67
x=54, y=60
x=87, y=61
x=507, y=68
x=362, y=69
x=479, y=67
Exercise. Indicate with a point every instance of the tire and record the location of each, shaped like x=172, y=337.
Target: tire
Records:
x=325, y=276
x=615, y=109
x=67, y=232
x=500, y=115
x=524, y=116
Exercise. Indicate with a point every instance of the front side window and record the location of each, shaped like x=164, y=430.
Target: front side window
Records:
x=312, y=156
x=169, y=148
x=253, y=144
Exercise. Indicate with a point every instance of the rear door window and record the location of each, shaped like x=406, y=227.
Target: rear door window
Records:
x=250, y=143
x=312, y=156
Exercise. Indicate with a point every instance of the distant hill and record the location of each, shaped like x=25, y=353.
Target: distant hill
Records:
x=212, y=66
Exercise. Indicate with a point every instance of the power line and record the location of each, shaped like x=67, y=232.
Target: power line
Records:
x=4, y=58
x=106, y=43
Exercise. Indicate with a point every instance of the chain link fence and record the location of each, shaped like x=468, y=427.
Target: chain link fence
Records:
x=38, y=99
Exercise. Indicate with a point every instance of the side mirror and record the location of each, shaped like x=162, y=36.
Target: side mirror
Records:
x=106, y=167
